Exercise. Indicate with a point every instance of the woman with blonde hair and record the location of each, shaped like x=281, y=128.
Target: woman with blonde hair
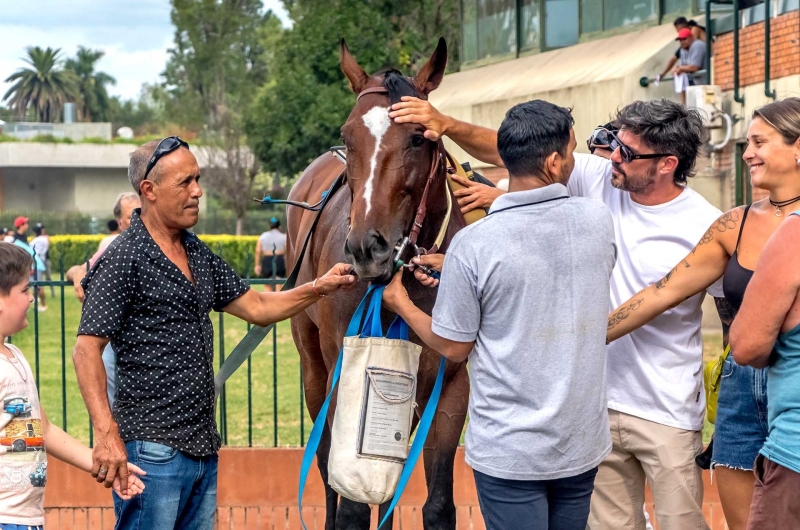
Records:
x=730, y=249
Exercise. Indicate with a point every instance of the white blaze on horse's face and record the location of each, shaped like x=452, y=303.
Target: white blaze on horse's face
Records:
x=377, y=121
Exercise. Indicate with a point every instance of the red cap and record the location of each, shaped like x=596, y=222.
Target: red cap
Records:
x=19, y=221
x=685, y=33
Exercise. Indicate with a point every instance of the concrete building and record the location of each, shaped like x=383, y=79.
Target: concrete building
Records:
x=60, y=177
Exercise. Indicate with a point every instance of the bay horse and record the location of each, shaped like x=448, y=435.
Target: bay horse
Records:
x=387, y=167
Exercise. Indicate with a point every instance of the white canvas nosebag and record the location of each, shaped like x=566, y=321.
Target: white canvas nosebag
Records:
x=374, y=409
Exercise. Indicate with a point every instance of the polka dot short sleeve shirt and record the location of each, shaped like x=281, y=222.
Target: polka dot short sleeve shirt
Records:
x=159, y=326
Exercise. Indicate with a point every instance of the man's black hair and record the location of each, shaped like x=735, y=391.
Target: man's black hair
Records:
x=112, y=225
x=666, y=127
x=530, y=133
x=681, y=21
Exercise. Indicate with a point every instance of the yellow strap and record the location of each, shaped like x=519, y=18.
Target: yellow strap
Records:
x=443, y=228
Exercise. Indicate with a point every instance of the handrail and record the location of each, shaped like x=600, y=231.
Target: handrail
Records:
x=767, y=92
x=646, y=81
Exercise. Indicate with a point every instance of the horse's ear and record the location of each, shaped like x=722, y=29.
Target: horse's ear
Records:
x=357, y=76
x=431, y=74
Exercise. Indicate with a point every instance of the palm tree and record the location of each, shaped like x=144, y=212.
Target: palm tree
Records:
x=45, y=87
x=94, y=103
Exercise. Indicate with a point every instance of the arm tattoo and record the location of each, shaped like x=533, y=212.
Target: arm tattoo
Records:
x=624, y=313
x=728, y=221
x=726, y=314
x=660, y=284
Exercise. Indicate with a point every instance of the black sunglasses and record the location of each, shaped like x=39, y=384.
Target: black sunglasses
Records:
x=627, y=154
x=600, y=138
x=164, y=147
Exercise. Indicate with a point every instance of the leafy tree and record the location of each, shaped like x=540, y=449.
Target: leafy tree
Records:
x=45, y=86
x=214, y=70
x=297, y=115
x=94, y=104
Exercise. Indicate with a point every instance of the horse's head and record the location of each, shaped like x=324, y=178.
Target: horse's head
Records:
x=387, y=163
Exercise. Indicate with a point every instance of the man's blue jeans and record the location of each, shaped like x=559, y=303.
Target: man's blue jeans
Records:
x=559, y=504
x=180, y=490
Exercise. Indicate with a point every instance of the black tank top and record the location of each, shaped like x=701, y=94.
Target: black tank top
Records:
x=736, y=277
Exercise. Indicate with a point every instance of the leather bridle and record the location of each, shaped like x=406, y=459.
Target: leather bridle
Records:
x=438, y=167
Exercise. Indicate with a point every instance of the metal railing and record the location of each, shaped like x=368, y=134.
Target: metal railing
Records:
x=647, y=81
x=269, y=390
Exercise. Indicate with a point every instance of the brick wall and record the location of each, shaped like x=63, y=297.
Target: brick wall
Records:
x=257, y=489
x=785, y=52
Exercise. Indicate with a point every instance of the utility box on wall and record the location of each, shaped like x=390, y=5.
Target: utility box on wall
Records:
x=708, y=100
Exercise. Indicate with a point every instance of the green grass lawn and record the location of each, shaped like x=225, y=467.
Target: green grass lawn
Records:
x=56, y=397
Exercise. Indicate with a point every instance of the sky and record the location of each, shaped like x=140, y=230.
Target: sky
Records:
x=134, y=34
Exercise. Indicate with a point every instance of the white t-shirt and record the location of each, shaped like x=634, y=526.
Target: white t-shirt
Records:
x=22, y=451
x=273, y=242
x=656, y=372
x=40, y=245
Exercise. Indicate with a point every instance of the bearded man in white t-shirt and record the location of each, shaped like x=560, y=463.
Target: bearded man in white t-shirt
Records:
x=655, y=389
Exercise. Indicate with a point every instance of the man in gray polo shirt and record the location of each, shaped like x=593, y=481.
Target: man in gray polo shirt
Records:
x=524, y=294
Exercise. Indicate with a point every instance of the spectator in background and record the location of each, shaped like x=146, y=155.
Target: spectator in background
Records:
x=123, y=210
x=113, y=227
x=271, y=247
x=20, y=232
x=698, y=31
x=5, y=235
x=41, y=246
x=680, y=23
x=19, y=237
x=693, y=59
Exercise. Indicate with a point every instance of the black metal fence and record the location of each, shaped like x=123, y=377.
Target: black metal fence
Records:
x=264, y=399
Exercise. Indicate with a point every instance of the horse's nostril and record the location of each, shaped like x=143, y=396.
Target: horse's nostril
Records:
x=372, y=246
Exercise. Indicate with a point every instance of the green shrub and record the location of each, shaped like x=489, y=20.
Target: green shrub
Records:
x=238, y=251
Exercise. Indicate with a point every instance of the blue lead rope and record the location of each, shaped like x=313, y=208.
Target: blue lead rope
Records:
x=397, y=328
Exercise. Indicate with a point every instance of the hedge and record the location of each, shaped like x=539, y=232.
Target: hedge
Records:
x=238, y=251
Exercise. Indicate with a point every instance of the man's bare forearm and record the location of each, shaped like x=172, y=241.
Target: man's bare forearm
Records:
x=76, y=273
x=479, y=142
x=88, y=360
x=422, y=323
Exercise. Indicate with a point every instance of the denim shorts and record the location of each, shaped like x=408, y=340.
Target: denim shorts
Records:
x=741, y=426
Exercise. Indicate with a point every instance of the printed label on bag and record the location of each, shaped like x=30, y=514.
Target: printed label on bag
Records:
x=386, y=414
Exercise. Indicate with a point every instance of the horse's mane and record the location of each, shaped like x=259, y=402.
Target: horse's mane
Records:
x=398, y=85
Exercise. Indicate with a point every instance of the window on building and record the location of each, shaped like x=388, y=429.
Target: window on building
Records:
x=561, y=23
x=784, y=6
x=497, y=28
x=619, y=13
x=591, y=16
x=529, y=25
x=677, y=6
x=469, y=30
x=753, y=15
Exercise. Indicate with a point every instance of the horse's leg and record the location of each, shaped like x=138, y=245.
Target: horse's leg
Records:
x=352, y=515
x=439, y=511
x=315, y=378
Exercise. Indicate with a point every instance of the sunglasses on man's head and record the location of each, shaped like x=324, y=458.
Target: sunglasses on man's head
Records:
x=164, y=147
x=627, y=154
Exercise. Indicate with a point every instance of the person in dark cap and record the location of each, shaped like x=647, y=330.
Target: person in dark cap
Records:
x=270, y=249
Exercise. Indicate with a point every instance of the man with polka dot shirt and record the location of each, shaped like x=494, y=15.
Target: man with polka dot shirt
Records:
x=150, y=295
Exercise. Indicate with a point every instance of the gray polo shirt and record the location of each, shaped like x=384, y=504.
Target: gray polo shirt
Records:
x=530, y=285
x=695, y=56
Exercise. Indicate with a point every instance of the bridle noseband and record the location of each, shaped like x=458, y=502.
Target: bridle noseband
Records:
x=438, y=166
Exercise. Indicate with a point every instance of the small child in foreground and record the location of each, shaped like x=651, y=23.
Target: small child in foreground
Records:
x=24, y=429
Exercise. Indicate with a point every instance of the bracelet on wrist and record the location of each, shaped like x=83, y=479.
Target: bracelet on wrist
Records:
x=314, y=287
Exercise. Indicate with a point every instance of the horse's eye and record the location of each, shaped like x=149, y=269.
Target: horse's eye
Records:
x=417, y=140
